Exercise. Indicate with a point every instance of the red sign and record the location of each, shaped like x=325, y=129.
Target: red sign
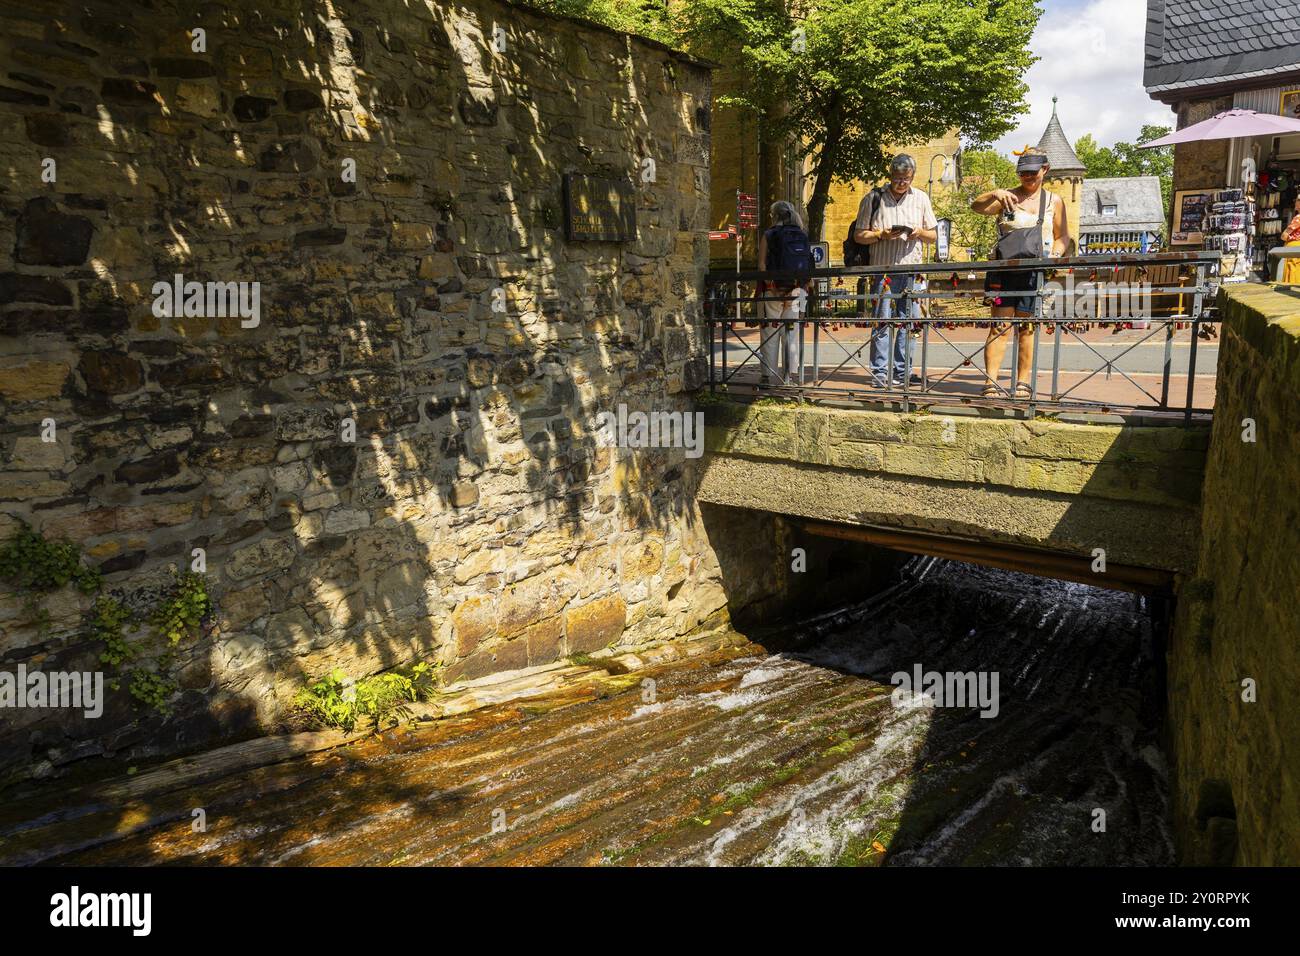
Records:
x=746, y=210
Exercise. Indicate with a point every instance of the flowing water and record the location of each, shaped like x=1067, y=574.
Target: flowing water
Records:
x=748, y=757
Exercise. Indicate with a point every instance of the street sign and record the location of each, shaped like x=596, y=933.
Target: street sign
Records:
x=943, y=235
x=746, y=210
x=821, y=254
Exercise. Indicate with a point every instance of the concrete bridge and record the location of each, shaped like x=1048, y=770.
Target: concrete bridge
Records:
x=1048, y=494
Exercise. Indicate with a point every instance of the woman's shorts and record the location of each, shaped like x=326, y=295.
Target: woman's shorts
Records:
x=1002, y=290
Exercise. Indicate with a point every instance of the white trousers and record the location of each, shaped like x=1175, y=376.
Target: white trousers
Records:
x=780, y=353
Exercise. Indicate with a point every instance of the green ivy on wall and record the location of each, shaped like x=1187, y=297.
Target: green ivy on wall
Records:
x=35, y=567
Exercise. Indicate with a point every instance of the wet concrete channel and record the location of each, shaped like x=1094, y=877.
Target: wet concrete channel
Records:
x=748, y=756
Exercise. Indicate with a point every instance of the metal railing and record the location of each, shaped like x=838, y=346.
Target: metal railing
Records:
x=736, y=314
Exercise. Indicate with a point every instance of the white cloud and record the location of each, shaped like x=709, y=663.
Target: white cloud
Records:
x=1091, y=54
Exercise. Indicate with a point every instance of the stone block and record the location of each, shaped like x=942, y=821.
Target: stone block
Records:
x=268, y=555
x=473, y=621
x=33, y=381
x=532, y=600
x=402, y=586
x=411, y=236
x=928, y=461
x=292, y=630
x=33, y=454
x=198, y=98
x=113, y=373
x=857, y=455
x=941, y=431
x=643, y=560
x=544, y=640
x=869, y=427
x=1090, y=443
x=592, y=626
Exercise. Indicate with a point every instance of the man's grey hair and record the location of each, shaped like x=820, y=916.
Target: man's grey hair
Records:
x=902, y=162
x=784, y=212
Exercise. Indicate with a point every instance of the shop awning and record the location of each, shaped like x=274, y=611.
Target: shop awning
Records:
x=1230, y=124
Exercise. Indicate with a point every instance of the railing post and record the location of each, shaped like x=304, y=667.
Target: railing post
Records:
x=892, y=343
x=1041, y=282
x=800, y=351
x=1197, y=301
x=1056, y=360
x=711, y=303
x=724, y=323
x=816, y=366
x=925, y=354
x=1013, y=331
x=1033, y=372
x=1169, y=362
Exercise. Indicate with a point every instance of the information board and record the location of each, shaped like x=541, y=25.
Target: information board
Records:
x=598, y=210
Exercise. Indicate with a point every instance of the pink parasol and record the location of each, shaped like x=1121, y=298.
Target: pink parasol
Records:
x=1230, y=124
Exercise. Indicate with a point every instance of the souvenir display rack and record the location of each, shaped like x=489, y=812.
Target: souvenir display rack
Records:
x=1275, y=195
x=1228, y=227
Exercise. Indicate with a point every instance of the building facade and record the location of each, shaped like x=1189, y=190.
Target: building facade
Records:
x=1208, y=56
x=1120, y=215
x=1066, y=173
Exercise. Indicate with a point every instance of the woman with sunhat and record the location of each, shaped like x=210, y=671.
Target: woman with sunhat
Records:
x=1019, y=208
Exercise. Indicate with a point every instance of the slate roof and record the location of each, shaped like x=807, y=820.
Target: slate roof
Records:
x=1200, y=43
x=1060, y=154
x=1138, y=197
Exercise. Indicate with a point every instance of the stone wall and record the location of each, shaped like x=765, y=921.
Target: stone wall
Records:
x=433, y=302
x=1237, y=770
x=1200, y=165
x=1133, y=490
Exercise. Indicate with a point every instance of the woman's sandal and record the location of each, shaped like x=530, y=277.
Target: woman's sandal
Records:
x=1023, y=390
x=990, y=391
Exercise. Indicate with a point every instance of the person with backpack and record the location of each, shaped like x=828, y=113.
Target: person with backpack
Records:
x=782, y=248
x=893, y=223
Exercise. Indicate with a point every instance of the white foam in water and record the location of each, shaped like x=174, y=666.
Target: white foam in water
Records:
x=761, y=675
x=645, y=710
x=869, y=769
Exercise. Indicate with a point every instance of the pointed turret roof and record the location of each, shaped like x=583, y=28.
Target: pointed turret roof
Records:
x=1060, y=154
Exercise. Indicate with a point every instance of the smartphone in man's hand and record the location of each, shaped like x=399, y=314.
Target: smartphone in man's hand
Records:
x=904, y=230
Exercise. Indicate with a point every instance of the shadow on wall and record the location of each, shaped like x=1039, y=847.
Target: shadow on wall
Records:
x=433, y=302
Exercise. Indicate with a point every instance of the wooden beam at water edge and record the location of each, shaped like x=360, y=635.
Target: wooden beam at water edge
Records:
x=1009, y=557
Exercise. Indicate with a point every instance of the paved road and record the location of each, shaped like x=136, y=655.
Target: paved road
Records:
x=1146, y=358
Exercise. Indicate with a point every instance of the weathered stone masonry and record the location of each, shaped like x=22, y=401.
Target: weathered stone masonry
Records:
x=475, y=520
x=1236, y=788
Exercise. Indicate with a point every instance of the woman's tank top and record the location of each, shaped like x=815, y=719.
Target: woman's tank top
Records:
x=1026, y=217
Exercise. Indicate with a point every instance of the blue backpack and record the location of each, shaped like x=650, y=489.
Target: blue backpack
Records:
x=788, y=250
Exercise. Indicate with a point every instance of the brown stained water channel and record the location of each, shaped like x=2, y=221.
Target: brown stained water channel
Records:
x=750, y=757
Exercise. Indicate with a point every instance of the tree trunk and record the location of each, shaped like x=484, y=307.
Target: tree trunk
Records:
x=771, y=155
x=825, y=169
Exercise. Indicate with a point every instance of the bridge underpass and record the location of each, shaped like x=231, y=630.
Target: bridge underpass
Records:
x=1017, y=494
x=1064, y=567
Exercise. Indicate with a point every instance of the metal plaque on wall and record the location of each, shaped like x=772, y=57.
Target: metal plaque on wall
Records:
x=598, y=210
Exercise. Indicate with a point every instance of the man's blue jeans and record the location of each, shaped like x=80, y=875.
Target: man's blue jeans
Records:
x=886, y=309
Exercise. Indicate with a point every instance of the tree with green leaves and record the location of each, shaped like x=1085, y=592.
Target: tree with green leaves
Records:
x=982, y=170
x=846, y=80
x=1128, y=159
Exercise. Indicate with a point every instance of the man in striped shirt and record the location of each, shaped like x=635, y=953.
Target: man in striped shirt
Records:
x=894, y=222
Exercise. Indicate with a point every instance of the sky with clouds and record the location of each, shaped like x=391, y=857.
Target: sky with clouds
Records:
x=1090, y=57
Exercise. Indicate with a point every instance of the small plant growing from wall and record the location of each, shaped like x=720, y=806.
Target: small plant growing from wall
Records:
x=34, y=566
x=333, y=701
x=180, y=614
